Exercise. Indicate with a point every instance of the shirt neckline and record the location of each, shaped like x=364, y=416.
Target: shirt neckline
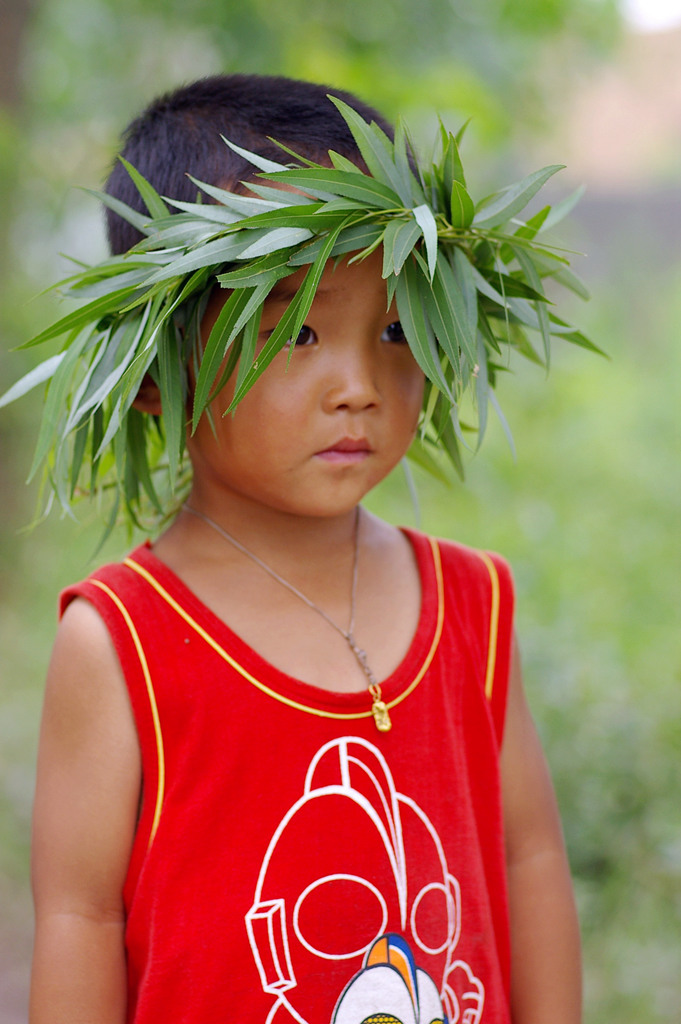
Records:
x=255, y=668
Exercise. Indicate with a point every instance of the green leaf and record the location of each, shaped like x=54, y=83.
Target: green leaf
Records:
x=421, y=454
x=350, y=239
x=86, y=316
x=209, y=212
x=172, y=383
x=534, y=281
x=426, y=221
x=151, y=198
x=377, y=152
x=57, y=393
x=481, y=389
x=399, y=239
x=308, y=215
x=254, y=158
x=465, y=278
x=329, y=184
x=568, y=279
x=273, y=241
x=138, y=220
x=271, y=268
x=461, y=206
x=38, y=375
x=562, y=209
x=292, y=320
x=415, y=326
x=248, y=347
x=240, y=306
x=530, y=229
x=452, y=167
x=222, y=250
x=138, y=456
x=459, y=325
x=402, y=163
x=511, y=200
x=247, y=206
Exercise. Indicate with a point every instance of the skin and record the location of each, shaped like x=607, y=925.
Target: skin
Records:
x=278, y=476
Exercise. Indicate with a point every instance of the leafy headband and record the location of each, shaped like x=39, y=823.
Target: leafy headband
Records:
x=468, y=281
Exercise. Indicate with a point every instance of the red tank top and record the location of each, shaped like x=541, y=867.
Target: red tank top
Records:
x=291, y=863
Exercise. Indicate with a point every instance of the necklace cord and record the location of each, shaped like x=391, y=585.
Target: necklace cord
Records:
x=379, y=709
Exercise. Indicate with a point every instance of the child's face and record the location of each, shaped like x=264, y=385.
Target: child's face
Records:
x=314, y=438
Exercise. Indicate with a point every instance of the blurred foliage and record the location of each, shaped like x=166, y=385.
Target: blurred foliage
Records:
x=589, y=513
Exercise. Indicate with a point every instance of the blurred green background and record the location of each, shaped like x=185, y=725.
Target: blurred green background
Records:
x=588, y=512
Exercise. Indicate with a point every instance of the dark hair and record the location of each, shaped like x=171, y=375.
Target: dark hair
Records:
x=179, y=134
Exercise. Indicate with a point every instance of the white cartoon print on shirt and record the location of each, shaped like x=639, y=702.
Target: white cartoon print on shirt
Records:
x=355, y=886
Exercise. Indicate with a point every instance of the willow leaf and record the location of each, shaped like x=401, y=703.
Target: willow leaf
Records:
x=452, y=167
x=248, y=347
x=568, y=279
x=137, y=454
x=235, y=313
x=261, y=162
x=377, y=151
x=38, y=375
x=273, y=241
x=138, y=220
x=76, y=461
x=513, y=199
x=329, y=184
x=461, y=206
x=55, y=402
x=562, y=209
x=463, y=273
x=222, y=250
x=481, y=388
x=173, y=395
x=415, y=326
x=212, y=212
x=268, y=268
x=292, y=320
x=246, y=206
x=399, y=239
x=454, y=306
x=350, y=239
x=534, y=281
x=151, y=198
x=85, y=316
x=426, y=221
x=307, y=215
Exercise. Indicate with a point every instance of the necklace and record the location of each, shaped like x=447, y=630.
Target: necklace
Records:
x=379, y=708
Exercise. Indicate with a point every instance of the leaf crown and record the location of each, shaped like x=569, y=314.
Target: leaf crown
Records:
x=468, y=280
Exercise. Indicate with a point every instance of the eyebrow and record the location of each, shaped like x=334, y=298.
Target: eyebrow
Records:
x=284, y=292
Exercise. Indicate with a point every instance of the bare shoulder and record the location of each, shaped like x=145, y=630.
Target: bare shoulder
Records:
x=85, y=676
x=89, y=773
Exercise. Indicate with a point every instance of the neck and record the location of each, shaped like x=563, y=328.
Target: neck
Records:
x=269, y=531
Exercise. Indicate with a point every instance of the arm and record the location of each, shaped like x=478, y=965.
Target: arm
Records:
x=545, y=946
x=85, y=812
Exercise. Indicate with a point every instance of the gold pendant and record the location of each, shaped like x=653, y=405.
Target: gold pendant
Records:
x=381, y=716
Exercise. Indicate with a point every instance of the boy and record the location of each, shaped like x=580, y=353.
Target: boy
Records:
x=287, y=771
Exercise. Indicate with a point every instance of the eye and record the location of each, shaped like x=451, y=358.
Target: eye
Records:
x=306, y=336
x=393, y=332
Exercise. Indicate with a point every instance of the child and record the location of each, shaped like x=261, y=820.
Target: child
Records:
x=287, y=771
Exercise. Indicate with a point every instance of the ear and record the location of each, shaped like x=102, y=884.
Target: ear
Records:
x=148, y=397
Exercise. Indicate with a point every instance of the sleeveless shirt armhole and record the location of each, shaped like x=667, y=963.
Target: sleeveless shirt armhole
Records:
x=133, y=661
x=500, y=638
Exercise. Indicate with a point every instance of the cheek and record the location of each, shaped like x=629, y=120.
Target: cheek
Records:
x=411, y=388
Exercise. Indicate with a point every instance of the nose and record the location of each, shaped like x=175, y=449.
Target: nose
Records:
x=352, y=379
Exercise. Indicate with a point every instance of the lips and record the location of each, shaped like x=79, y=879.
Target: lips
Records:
x=348, y=449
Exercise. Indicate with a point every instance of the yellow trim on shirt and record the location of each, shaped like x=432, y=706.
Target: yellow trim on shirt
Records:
x=493, y=624
x=273, y=693
x=152, y=701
